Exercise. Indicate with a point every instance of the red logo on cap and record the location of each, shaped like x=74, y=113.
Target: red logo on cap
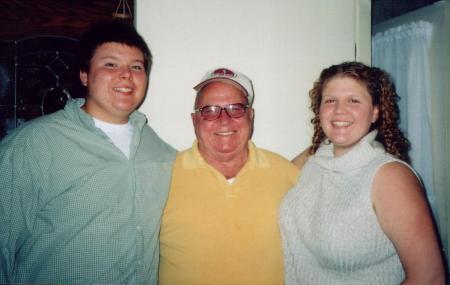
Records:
x=224, y=72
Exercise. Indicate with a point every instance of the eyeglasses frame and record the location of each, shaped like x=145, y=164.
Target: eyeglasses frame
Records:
x=225, y=108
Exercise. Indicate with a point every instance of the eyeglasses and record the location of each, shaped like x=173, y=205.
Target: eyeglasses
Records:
x=211, y=113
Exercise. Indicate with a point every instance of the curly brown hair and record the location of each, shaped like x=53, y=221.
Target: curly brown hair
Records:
x=381, y=89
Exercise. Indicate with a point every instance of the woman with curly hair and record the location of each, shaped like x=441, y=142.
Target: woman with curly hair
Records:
x=358, y=214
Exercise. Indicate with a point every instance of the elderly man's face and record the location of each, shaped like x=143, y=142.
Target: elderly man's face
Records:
x=225, y=136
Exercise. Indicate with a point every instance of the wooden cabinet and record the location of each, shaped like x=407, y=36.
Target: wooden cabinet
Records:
x=24, y=18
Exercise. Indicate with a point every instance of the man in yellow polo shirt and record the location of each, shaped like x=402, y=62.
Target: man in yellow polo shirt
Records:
x=220, y=222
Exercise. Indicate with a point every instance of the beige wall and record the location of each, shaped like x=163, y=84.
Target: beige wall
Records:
x=281, y=45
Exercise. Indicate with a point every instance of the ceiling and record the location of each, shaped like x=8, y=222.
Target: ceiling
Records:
x=383, y=10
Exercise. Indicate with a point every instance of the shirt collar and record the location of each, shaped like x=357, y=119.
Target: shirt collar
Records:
x=73, y=108
x=256, y=158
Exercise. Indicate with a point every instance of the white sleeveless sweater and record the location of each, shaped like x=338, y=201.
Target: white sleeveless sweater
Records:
x=330, y=232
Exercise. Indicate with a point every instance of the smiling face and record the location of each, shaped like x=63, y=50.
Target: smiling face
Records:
x=116, y=82
x=346, y=112
x=224, y=137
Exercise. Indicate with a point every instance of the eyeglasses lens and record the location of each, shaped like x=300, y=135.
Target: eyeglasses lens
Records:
x=211, y=113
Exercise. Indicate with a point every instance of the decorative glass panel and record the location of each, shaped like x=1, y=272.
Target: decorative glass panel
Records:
x=37, y=76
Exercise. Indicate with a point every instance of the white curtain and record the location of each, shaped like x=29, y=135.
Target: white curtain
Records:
x=403, y=51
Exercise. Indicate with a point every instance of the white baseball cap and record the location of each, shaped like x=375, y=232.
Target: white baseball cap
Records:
x=228, y=75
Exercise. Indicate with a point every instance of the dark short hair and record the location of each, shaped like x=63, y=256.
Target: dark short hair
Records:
x=112, y=31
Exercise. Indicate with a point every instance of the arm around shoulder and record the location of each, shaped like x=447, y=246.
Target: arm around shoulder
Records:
x=404, y=216
x=301, y=159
